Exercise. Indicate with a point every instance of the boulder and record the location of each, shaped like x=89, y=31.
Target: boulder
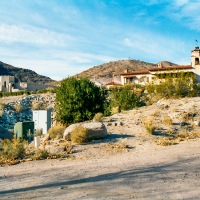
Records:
x=96, y=130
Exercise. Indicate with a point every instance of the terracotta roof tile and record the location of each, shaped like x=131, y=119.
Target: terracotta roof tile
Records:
x=171, y=67
x=136, y=72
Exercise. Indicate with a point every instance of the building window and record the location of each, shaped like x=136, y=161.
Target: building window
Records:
x=196, y=61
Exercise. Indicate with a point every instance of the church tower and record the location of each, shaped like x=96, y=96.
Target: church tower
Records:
x=196, y=62
x=195, y=57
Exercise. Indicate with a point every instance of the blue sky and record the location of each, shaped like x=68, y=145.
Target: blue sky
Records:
x=60, y=38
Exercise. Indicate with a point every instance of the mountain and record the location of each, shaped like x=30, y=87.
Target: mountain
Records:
x=23, y=75
x=112, y=70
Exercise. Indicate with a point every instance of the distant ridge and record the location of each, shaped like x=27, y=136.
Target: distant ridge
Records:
x=115, y=68
x=23, y=75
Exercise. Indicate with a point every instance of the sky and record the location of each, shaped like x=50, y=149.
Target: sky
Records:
x=60, y=38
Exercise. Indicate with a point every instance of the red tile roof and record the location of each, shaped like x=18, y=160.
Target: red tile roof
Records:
x=171, y=67
x=136, y=72
x=157, y=69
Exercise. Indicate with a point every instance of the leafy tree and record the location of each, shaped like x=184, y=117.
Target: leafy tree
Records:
x=125, y=97
x=78, y=100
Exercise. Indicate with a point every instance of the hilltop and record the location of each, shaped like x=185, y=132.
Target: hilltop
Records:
x=105, y=72
x=23, y=75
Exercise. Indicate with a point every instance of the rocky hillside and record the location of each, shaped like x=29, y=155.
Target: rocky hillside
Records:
x=23, y=75
x=114, y=68
x=105, y=72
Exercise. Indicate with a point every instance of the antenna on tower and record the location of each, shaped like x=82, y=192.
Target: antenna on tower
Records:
x=196, y=41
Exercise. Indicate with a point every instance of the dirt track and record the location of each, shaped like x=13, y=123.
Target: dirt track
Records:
x=150, y=172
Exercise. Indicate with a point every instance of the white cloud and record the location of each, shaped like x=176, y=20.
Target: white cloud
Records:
x=31, y=35
x=154, y=47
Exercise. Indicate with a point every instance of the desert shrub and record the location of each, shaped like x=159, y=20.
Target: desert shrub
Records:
x=168, y=121
x=36, y=105
x=18, y=107
x=78, y=100
x=80, y=135
x=12, y=149
x=173, y=85
x=56, y=131
x=149, y=126
x=38, y=132
x=40, y=154
x=2, y=105
x=98, y=117
x=165, y=141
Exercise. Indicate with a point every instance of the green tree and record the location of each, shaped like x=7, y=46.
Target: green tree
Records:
x=125, y=98
x=78, y=100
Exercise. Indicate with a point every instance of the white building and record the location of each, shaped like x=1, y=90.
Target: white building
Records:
x=42, y=120
x=146, y=76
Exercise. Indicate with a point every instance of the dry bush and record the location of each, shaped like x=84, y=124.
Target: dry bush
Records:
x=36, y=105
x=168, y=121
x=115, y=110
x=165, y=141
x=11, y=150
x=149, y=125
x=98, y=117
x=38, y=132
x=18, y=107
x=2, y=105
x=80, y=135
x=56, y=131
x=1, y=113
x=40, y=154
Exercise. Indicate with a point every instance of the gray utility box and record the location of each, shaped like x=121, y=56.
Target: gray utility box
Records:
x=42, y=120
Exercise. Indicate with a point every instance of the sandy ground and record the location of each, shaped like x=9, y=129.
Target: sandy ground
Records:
x=100, y=170
x=148, y=172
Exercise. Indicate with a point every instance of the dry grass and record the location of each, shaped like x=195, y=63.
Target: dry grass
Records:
x=98, y=117
x=56, y=131
x=80, y=135
x=18, y=107
x=165, y=141
x=149, y=125
x=168, y=121
x=115, y=110
x=36, y=105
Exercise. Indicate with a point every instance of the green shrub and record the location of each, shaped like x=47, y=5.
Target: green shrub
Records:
x=173, y=85
x=80, y=135
x=78, y=100
x=126, y=97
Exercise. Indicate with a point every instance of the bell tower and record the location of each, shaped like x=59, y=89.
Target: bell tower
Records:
x=196, y=63
x=195, y=57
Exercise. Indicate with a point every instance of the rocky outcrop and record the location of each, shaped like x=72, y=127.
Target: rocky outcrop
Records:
x=96, y=130
x=10, y=115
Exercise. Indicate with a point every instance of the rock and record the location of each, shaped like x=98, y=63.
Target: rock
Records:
x=96, y=130
x=55, y=149
x=197, y=123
